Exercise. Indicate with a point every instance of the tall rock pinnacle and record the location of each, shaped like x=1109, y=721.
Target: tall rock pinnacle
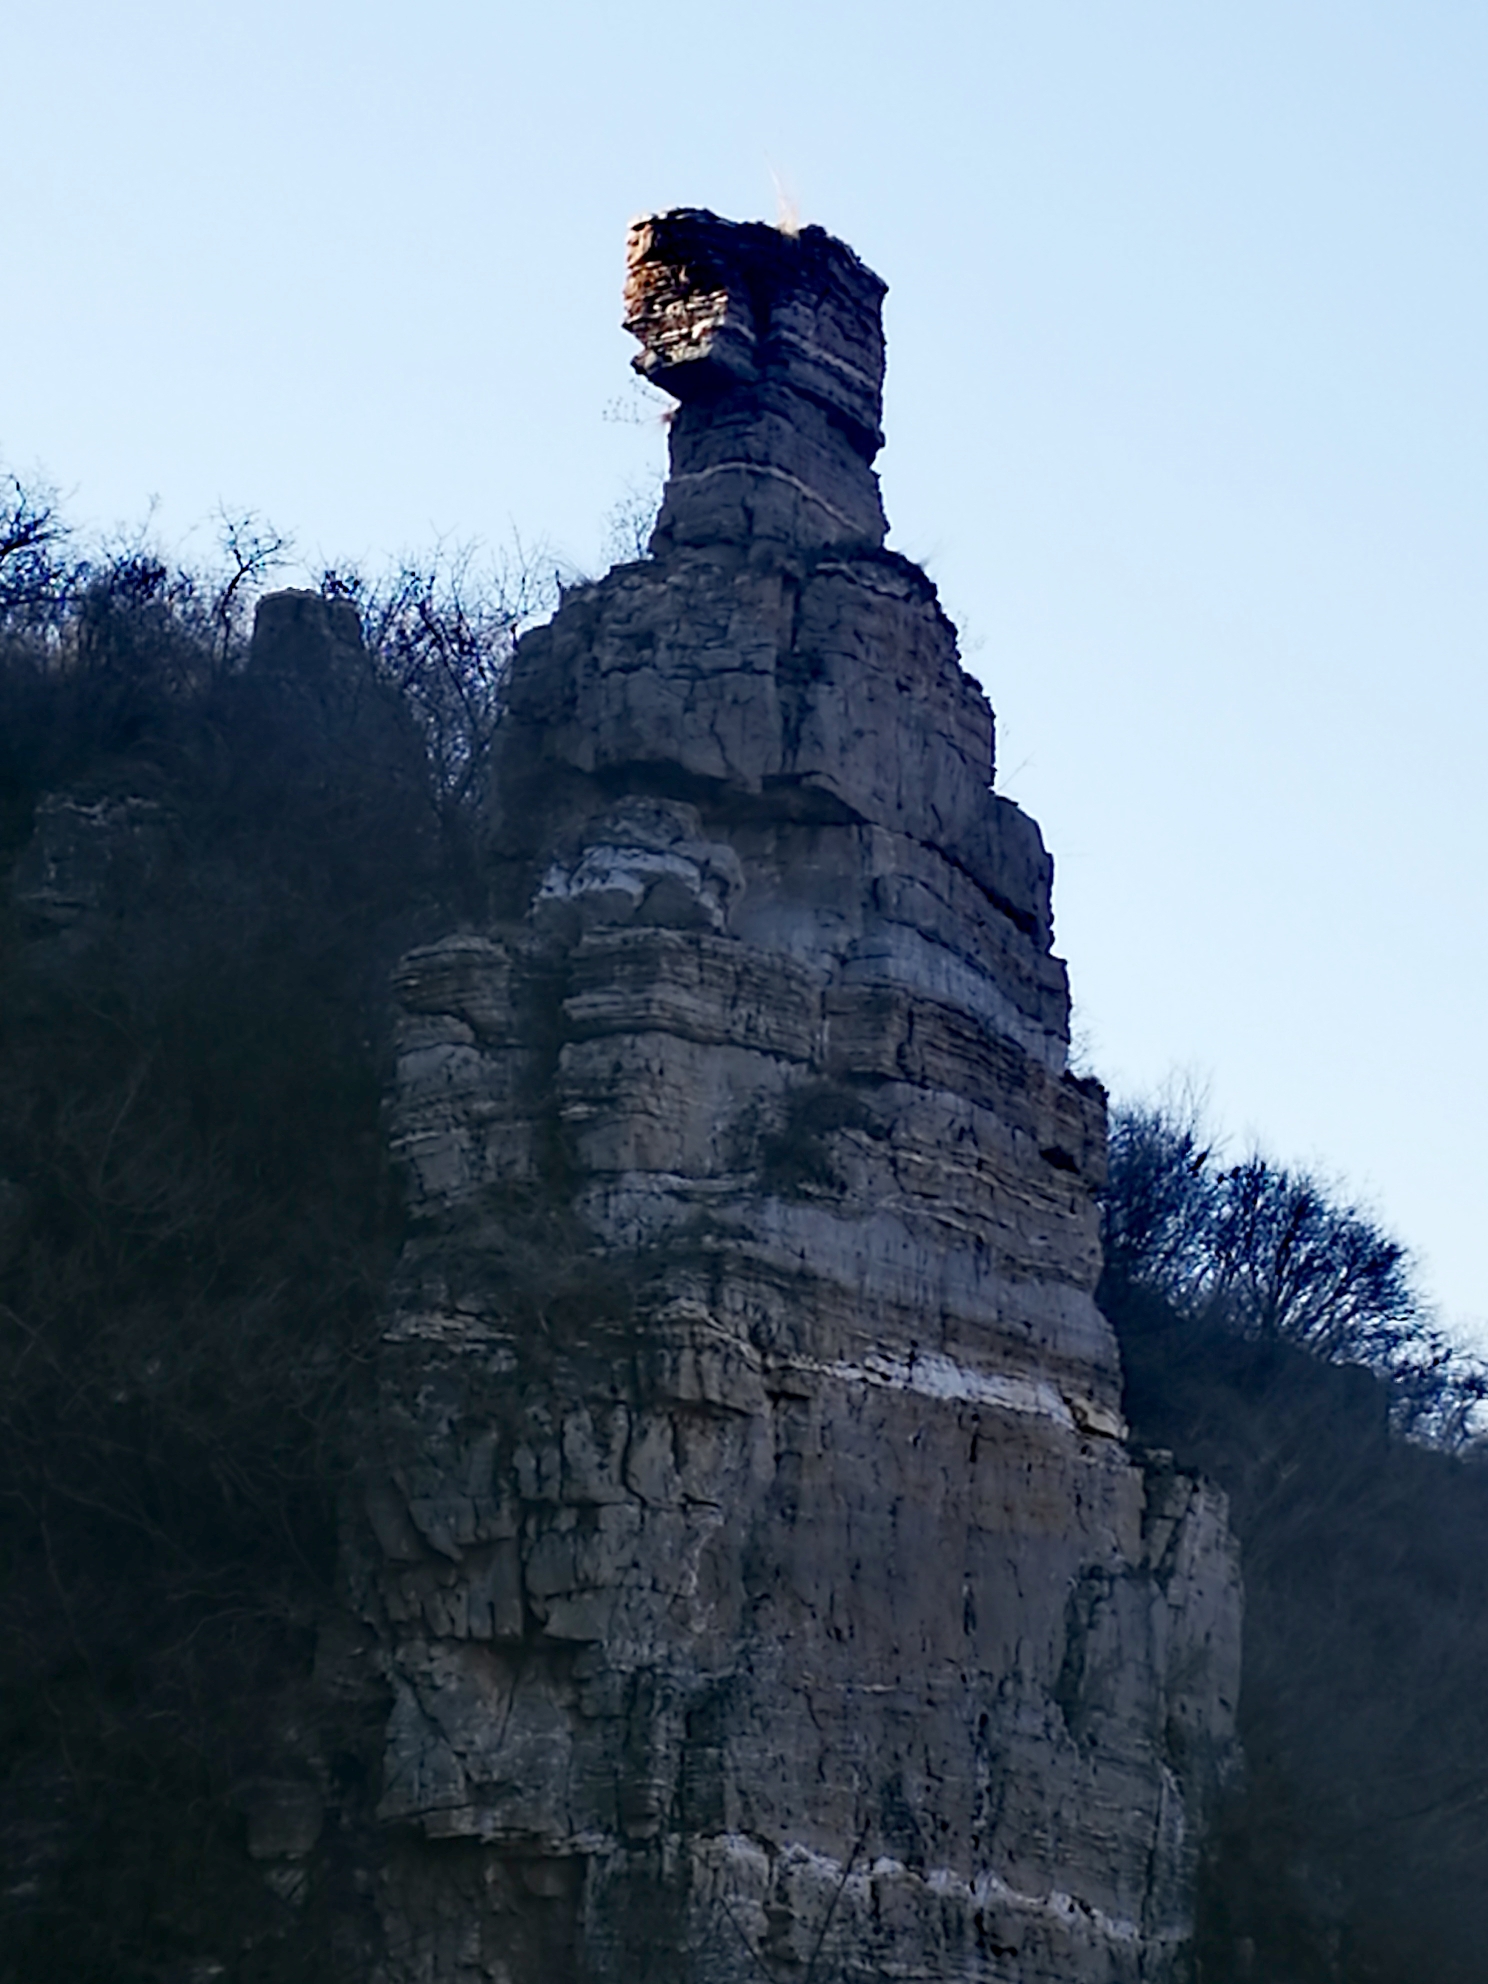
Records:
x=752, y=1548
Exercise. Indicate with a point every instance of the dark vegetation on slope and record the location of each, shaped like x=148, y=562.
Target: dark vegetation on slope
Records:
x=196, y=1218
x=1272, y=1338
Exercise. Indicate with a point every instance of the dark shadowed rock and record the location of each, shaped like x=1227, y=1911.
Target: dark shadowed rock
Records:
x=88, y=851
x=301, y=636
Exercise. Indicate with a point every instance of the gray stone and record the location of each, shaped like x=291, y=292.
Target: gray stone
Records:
x=762, y=1574
x=773, y=344
x=87, y=854
x=304, y=637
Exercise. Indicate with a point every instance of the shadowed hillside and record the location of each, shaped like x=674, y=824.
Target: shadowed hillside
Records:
x=1341, y=1430
x=209, y=864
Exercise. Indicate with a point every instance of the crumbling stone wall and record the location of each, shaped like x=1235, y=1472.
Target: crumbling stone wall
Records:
x=750, y=1540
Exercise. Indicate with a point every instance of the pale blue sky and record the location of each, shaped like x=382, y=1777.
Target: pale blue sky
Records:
x=1187, y=416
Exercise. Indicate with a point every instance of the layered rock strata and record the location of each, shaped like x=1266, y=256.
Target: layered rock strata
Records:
x=752, y=1547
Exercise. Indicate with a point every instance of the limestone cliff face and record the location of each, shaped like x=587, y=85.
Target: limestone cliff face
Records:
x=751, y=1544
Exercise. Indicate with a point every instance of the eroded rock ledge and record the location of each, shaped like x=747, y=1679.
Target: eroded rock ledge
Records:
x=751, y=1544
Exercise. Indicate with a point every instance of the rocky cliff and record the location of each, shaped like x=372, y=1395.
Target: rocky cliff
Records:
x=749, y=1537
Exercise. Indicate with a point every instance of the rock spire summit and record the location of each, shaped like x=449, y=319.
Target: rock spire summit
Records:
x=773, y=344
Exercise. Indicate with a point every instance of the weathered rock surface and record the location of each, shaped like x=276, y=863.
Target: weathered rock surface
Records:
x=761, y=1575
x=87, y=849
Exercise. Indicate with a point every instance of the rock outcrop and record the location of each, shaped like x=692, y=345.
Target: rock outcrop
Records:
x=751, y=1544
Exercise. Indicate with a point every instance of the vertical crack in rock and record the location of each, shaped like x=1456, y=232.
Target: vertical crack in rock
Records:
x=763, y=1579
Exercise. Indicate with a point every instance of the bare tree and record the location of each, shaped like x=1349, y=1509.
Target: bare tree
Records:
x=251, y=548
x=442, y=632
x=1160, y=1193
x=1289, y=1260
x=31, y=536
x=1279, y=1254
